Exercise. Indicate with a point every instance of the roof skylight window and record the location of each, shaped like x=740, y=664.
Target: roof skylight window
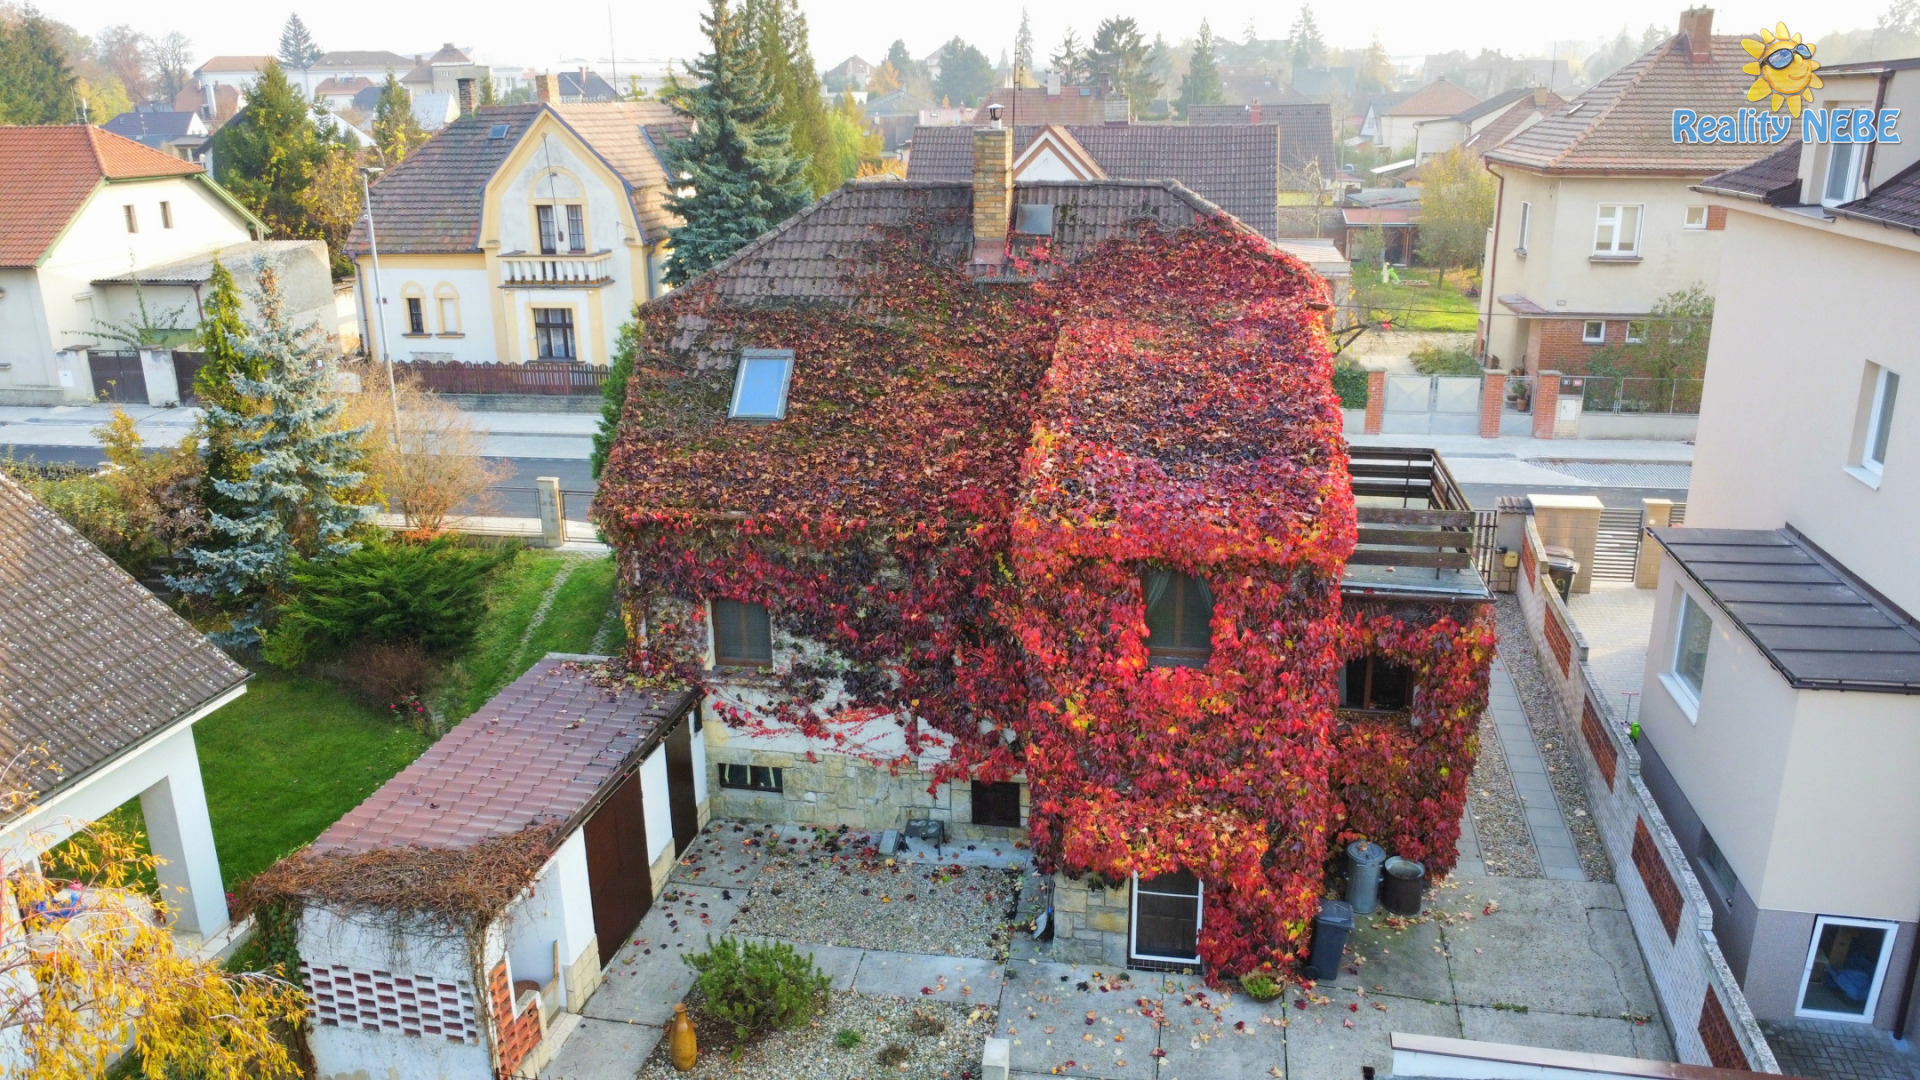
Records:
x=497, y=131
x=760, y=386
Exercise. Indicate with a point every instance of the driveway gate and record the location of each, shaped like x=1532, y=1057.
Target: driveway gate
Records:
x=117, y=377
x=1432, y=405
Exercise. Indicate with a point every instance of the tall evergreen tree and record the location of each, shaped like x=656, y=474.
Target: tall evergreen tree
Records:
x=1070, y=61
x=1119, y=55
x=1202, y=84
x=1023, y=51
x=297, y=48
x=267, y=154
x=778, y=29
x=1309, y=48
x=301, y=466
x=744, y=176
x=966, y=75
x=223, y=338
x=36, y=85
x=396, y=131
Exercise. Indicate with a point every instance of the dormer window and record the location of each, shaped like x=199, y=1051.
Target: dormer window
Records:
x=1179, y=619
x=760, y=386
x=1843, y=173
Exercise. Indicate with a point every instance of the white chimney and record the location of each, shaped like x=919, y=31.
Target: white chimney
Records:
x=1053, y=84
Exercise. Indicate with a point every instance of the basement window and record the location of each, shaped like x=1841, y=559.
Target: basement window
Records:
x=760, y=386
x=742, y=634
x=1033, y=219
x=1373, y=683
x=1179, y=619
x=996, y=803
x=753, y=778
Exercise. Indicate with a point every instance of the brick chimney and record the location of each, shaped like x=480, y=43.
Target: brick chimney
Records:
x=1696, y=26
x=1253, y=112
x=465, y=86
x=992, y=189
x=547, y=87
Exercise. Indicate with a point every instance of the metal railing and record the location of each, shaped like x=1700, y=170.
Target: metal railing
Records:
x=555, y=271
x=1632, y=394
x=556, y=377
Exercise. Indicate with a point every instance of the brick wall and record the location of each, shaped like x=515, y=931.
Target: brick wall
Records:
x=1716, y=220
x=1493, y=399
x=1657, y=879
x=1546, y=403
x=1723, y=1046
x=1563, y=349
x=1556, y=636
x=1601, y=747
x=1376, y=401
x=516, y=1035
x=829, y=790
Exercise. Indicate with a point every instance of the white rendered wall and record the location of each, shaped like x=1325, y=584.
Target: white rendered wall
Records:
x=558, y=908
x=659, y=810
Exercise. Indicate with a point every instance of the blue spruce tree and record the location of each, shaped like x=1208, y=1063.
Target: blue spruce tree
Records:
x=302, y=468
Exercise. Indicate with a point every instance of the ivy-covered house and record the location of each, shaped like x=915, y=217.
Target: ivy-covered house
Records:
x=1024, y=507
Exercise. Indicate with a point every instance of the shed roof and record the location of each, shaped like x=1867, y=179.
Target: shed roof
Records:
x=91, y=664
x=1820, y=626
x=542, y=751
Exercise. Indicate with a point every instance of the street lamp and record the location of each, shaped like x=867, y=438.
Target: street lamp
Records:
x=379, y=303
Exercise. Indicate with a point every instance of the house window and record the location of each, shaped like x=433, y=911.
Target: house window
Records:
x=1526, y=226
x=1689, y=671
x=1372, y=682
x=1846, y=965
x=1179, y=619
x=549, y=230
x=1719, y=870
x=166, y=214
x=760, y=385
x=742, y=634
x=1166, y=919
x=1593, y=332
x=1874, y=423
x=1696, y=217
x=1843, y=173
x=576, y=228
x=416, y=316
x=996, y=804
x=753, y=778
x=449, y=305
x=1636, y=333
x=553, y=333
x=1616, y=231
x=133, y=220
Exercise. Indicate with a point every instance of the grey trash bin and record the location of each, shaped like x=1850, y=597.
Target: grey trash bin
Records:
x=1363, y=875
x=1400, y=891
x=1330, y=930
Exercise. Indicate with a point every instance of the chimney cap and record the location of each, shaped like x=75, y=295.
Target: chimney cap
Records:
x=993, y=114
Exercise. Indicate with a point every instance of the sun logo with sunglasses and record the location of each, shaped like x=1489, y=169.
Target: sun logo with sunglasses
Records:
x=1783, y=68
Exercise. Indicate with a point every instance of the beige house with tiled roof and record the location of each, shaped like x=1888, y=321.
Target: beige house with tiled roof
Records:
x=520, y=232
x=1596, y=218
x=1398, y=129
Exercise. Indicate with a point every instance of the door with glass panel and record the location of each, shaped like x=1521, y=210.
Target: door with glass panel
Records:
x=1166, y=920
x=1846, y=966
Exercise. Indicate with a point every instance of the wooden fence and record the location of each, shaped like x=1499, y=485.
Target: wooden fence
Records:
x=549, y=377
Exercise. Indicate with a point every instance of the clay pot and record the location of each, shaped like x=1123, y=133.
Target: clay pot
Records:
x=681, y=1045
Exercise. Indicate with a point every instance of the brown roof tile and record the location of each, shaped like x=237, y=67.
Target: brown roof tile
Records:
x=1437, y=98
x=1624, y=123
x=1774, y=178
x=47, y=172
x=91, y=664
x=1895, y=202
x=541, y=751
x=1034, y=105
x=1509, y=123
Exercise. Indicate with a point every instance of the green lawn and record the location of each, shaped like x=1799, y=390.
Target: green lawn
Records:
x=510, y=641
x=1435, y=307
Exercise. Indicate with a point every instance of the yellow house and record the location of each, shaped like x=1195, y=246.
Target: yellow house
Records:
x=519, y=232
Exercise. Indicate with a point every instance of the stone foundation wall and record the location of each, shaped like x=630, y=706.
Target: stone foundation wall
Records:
x=1090, y=921
x=834, y=790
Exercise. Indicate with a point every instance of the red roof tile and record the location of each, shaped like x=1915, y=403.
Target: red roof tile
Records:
x=47, y=172
x=1437, y=98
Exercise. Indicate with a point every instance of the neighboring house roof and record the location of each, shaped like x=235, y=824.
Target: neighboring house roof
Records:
x=91, y=663
x=1219, y=114
x=1362, y=216
x=1895, y=202
x=1236, y=166
x=852, y=65
x=449, y=55
x=1514, y=119
x=541, y=751
x=371, y=58
x=198, y=269
x=1818, y=625
x=1035, y=105
x=1493, y=104
x=810, y=256
x=334, y=86
x=1323, y=255
x=153, y=128
x=901, y=102
x=430, y=203
x=1386, y=196
x=48, y=171
x=226, y=64
x=1624, y=123
x=434, y=111
x=1773, y=179
x=368, y=99
x=1065, y=148
x=588, y=86
x=1437, y=98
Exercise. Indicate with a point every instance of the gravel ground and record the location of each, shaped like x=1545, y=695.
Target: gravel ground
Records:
x=940, y=1040
x=1499, y=822
x=827, y=893
x=1550, y=734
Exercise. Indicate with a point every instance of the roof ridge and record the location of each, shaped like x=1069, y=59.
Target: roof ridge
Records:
x=1646, y=64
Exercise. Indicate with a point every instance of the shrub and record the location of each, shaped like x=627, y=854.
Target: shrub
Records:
x=1441, y=360
x=1350, y=383
x=1260, y=987
x=756, y=987
x=847, y=1038
x=387, y=673
x=433, y=595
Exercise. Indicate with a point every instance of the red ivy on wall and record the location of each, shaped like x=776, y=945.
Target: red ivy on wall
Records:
x=959, y=506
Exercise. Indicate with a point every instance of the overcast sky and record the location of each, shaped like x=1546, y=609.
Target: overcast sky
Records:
x=511, y=31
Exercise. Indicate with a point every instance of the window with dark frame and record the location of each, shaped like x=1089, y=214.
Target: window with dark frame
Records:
x=416, y=316
x=1179, y=619
x=1375, y=684
x=549, y=231
x=553, y=333
x=133, y=219
x=576, y=228
x=166, y=214
x=996, y=803
x=742, y=634
x=753, y=778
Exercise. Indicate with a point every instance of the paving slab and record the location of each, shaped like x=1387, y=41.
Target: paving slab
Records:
x=725, y=854
x=1045, y=1013
x=1210, y=1035
x=1397, y=961
x=1563, y=1031
x=647, y=975
x=938, y=978
x=602, y=1050
x=1557, y=946
x=1320, y=1045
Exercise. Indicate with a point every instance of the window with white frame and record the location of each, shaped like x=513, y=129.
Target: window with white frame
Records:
x=1843, y=173
x=760, y=385
x=1616, y=231
x=1593, y=332
x=1167, y=911
x=1526, y=227
x=1636, y=333
x=1874, y=424
x=1846, y=968
x=1693, y=633
x=1696, y=217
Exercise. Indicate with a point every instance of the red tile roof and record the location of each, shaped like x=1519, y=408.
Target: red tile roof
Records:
x=1437, y=98
x=47, y=173
x=1034, y=105
x=541, y=751
x=234, y=63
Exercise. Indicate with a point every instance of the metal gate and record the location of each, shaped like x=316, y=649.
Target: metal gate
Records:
x=1432, y=405
x=117, y=377
x=1616, y=550
x=186, y=368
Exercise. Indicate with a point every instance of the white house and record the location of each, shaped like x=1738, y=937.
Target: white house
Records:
x=520, y=232
x=1397, y=129
x=1781, y=707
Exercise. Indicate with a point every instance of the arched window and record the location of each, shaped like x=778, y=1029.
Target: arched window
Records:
x=559, y=213
x=448, y=302
x=1179, y=618
x=414, y=303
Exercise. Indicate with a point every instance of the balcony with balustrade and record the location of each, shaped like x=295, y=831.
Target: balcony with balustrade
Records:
x=572, y=270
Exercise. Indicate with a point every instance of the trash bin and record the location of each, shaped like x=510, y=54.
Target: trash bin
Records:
x=1363, y=875
x=1400, y=890
x=1330, y=930
x=1562, y=568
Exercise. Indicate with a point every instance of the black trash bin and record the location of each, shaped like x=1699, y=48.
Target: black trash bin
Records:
x=1562, y=568
x=1363, y=875
x=1330, y=930
x=1400, y=888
